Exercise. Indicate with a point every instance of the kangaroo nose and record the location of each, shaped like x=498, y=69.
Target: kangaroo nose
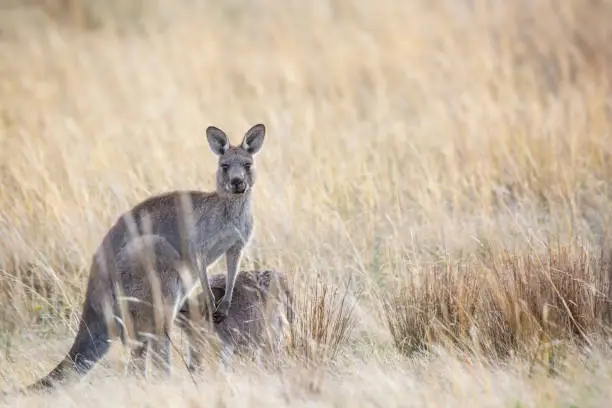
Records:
x=238, y=185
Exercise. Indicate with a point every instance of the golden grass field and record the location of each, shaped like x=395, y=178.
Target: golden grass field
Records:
x=448, y=162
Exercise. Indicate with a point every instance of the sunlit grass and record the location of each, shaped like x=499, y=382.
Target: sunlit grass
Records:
x=450, y=157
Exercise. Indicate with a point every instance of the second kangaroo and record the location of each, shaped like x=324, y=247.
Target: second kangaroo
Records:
x=200, y=226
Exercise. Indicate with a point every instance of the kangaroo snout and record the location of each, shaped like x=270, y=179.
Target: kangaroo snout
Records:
x=238, y=185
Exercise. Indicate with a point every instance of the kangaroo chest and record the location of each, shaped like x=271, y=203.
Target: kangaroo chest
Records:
x=215, y=243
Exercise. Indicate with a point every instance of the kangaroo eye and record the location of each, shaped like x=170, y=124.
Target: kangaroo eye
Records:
x=248, y=166
x=225, y=167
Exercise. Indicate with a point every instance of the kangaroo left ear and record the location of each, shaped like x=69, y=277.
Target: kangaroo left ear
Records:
x=217, y=140
x=254, y=138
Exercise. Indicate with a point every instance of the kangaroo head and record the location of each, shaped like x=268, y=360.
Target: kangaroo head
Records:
x=236, y=172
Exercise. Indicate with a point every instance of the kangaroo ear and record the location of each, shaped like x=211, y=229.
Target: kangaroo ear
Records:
x=254, y=138
x=217, y=140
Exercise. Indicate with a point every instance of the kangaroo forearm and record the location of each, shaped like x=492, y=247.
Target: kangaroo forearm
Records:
x=234, y=256
x=200, y=271
x=205, y=283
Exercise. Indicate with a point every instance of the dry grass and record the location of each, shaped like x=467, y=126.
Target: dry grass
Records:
x=461, y=148
x=507, y=308
x=324, y=321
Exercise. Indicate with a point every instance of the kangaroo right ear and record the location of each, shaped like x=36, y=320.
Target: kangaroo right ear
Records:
x=217, y=140
x=254, y=138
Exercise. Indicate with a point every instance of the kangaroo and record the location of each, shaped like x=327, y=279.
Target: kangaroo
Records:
x=197, y=226
x=260, y=314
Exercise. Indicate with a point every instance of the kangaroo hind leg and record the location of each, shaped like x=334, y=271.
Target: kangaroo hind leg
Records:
x=148, y=266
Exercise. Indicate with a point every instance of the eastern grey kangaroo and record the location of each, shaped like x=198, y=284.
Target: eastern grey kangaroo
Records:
x=197, y=226
x=258, y=319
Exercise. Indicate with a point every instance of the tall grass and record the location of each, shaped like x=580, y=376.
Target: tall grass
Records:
x=507, y=307
x=324, y=322
x=442, y=156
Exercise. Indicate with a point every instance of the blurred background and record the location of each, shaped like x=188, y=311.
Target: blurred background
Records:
x=400, y=134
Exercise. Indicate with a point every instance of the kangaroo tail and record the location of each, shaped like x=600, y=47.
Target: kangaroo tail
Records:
x=89, y=346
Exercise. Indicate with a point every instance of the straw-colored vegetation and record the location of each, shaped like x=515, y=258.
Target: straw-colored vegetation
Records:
x=441, y=170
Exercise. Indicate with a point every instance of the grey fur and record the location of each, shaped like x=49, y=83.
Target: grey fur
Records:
x=180, y=228
x=258, y=318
